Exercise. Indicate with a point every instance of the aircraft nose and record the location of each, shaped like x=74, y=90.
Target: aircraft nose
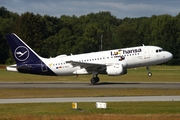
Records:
x=169, y=56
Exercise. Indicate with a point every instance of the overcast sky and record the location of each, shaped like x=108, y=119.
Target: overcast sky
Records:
x=118, y=8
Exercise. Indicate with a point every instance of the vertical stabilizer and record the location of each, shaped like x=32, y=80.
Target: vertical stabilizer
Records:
x=26, y=59
x=22, y=53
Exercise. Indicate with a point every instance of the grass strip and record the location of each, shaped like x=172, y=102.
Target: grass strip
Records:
x=57, y=92
x=160, y=74
x=95, y=117
x=115, y=110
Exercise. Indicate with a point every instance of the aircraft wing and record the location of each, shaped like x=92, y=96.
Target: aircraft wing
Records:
x=88, y=66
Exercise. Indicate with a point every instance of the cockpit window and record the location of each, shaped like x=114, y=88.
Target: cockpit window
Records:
x=159, y=50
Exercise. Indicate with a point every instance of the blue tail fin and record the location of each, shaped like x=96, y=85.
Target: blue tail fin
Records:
x=22, y=53
x=26, y=59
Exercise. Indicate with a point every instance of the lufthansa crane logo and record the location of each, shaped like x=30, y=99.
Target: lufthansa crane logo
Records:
x=21, y=53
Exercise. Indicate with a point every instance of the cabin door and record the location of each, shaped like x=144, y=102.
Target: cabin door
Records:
x=43, y=67
x=146, y=53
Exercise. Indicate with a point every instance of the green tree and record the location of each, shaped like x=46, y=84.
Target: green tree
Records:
x=31, y=28
x=126, y=36
x=6, y=26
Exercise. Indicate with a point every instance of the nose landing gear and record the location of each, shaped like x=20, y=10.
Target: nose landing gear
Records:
x=149, y=73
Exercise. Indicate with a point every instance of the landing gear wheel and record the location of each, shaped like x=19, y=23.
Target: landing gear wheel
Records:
x=94, y=80
x=149, y=74
x=97, y=79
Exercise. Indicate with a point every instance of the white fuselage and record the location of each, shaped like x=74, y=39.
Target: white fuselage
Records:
x=132, y=57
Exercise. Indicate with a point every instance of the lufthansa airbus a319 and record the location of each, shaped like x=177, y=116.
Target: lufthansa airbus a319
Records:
x=111, y=62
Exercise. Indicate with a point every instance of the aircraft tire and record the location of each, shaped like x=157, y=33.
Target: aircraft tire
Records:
x=149, y=74
x=97, y=79
x=93, y=81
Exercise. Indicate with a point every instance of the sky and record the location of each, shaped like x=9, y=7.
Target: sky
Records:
x=118, y=8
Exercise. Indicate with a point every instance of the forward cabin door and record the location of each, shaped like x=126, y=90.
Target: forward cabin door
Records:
x=146, y=52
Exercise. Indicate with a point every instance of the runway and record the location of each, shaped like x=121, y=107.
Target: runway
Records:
x=87, y=85
x=92, y=99
x=103, y=85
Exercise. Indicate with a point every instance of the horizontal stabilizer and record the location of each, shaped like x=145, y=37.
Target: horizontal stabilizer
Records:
x=12, y=68
x=22, y=68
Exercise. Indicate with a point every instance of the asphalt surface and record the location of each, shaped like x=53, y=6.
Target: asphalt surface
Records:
x=89, y=86
x=92, y=99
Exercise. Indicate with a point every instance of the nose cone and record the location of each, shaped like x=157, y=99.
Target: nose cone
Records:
x=169, y=56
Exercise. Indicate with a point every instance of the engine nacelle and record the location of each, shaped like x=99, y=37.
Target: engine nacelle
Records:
x=115, y=70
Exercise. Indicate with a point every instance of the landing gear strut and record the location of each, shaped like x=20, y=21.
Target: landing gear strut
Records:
x=149, y=73
x=95, y=79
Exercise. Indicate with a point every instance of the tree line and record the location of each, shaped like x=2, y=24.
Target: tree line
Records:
x=51, y=36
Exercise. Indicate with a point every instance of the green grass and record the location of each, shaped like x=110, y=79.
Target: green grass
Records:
x=59, y=93
x=128, y=108
x=160, y=74
x=87, y=111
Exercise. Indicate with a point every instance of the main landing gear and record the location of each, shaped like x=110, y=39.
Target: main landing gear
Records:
x=95, y=78
x=149, y=73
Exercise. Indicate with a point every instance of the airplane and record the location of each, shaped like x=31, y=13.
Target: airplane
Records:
x=111, y=62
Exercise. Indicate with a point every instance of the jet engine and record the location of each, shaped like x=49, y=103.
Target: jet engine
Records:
x=115, y=70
